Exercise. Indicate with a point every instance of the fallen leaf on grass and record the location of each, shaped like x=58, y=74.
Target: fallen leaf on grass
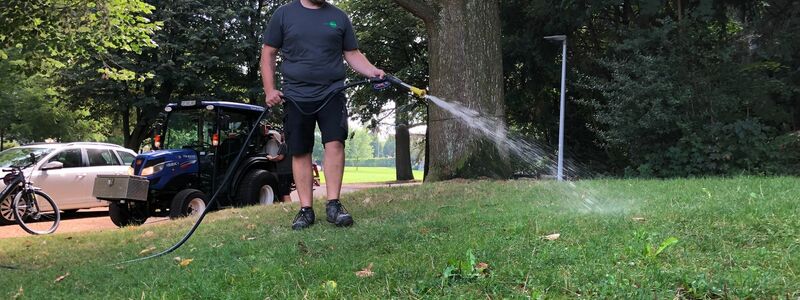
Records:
x=177, y=259
x=285, y=209
x=247, y=238
x=329, y=286
x=366, y=272
x=251, y=226
x=367, y=200
x=638, y=219
x=19, y=293
x=186, y=262
x=552, y=237
x=147, y=250
x=148, y=234
x=481, y=267
x=60, y=278
x=216, y=245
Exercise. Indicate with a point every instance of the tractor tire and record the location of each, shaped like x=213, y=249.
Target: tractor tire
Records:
x=188, y=202
x=123, y=215
x=257, y=187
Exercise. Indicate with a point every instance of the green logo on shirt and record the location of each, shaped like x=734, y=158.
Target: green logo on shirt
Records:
x=332, y=24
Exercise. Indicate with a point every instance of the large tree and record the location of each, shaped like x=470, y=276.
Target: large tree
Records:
x=465, y=57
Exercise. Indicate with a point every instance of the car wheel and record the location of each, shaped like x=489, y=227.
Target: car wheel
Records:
x=123, y=215
x=187, y=203
x=257, y=187
x=6, y=215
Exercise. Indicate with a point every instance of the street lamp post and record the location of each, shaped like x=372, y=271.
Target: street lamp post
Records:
x=563, y=40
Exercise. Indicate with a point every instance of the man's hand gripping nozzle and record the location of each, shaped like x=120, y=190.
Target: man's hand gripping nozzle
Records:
x=389, y=80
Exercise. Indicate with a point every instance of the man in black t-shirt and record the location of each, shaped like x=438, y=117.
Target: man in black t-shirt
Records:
x=314, y=38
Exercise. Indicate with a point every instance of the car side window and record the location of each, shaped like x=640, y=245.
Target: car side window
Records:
x=127, y=158
x=71, y=158
x=101, y=157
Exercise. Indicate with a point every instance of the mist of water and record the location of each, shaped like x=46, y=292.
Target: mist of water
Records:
x=529, y=155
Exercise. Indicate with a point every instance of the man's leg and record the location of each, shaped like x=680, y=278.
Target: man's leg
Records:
x=301, y=170
x=334, y=168
x=333, y=125
x=299, y=130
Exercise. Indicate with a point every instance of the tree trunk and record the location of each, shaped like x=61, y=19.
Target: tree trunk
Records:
x=402, y=147
x=465, y=66
x=126, y=128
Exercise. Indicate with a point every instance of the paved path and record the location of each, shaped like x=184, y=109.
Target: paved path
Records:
x=97, y=219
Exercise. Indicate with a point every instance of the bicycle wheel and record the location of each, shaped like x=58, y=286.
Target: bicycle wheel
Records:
x=36, y=212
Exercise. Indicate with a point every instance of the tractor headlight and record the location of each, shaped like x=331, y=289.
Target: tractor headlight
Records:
x=153, y=169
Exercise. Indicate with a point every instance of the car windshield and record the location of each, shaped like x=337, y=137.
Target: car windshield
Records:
x=21, y=156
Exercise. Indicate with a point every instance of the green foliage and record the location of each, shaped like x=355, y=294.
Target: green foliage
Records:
x=655, y=88
x=674, y=105
x=52, y=34
x=208, y=50
x=359, y=146
x=387, y=162
x=30, y=111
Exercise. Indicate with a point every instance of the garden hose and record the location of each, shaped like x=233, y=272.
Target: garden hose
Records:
x=210, y=204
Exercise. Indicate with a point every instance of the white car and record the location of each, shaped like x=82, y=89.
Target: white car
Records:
x=69, y=186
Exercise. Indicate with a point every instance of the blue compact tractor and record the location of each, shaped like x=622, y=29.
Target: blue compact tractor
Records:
x=195, y=145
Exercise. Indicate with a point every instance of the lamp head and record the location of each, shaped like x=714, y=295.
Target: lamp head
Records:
x=556, y=38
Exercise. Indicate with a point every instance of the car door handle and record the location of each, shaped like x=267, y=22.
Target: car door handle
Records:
x=81, y=176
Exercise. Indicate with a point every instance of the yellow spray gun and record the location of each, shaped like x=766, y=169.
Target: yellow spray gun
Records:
x=388, y=80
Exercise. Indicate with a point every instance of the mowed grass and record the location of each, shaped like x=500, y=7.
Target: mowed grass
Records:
x=369, y=174
x=737, y=238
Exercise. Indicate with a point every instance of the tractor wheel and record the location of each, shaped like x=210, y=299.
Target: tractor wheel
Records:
x=257, y=187
x=122, y=214
x=188, y=202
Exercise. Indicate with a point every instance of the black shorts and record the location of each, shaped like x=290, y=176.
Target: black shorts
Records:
x=284, y=184
x=299, y=128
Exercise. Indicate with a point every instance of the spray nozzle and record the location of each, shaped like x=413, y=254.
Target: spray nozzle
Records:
x=389, y=80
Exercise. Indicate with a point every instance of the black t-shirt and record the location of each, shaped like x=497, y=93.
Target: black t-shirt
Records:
x=312, y=44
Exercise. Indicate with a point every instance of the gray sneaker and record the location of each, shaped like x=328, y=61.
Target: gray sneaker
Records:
x=337, y=214
x=303, y=220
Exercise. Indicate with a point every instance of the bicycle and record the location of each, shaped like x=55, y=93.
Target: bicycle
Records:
x=32, y=208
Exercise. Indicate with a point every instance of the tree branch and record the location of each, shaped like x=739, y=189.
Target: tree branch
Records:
x=418, y=8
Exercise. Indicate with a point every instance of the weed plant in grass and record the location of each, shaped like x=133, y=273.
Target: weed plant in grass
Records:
x=691, y=238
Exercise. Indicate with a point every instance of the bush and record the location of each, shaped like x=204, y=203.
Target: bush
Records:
x=372, y=162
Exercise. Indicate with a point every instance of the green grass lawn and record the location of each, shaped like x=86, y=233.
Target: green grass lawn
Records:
x=736, y=238
x=370, y=174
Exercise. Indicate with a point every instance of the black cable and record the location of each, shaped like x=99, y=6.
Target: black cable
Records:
x=330, y=96
x=210, y=204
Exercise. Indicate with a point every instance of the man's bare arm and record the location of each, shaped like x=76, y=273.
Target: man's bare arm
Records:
x=361, y=64
x=269, y=57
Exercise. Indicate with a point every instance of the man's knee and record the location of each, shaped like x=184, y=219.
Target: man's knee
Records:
x=334, y=147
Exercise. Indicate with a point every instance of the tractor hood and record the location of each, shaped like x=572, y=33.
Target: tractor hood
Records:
x=161, y=166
